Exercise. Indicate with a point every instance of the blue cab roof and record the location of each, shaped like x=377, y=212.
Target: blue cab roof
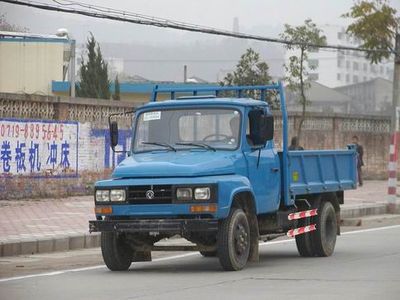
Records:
x=205, y=102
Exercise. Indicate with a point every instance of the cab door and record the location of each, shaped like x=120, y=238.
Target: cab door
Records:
x=263, y=164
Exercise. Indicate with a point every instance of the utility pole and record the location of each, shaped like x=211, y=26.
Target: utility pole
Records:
x=72, y=68
x=392, y=182
x=185, y=73
x=396, y=80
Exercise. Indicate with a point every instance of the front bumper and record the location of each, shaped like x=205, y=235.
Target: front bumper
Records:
x=171, y=226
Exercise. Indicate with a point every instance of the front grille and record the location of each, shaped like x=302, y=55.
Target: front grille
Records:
x=162, y=194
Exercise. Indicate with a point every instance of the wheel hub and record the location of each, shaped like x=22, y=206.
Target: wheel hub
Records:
x=241, y=239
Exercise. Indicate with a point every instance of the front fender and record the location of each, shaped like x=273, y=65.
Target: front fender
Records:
x=227, y=189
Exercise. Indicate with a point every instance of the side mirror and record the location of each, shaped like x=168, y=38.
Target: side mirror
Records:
x=269, y=127
x=113, y=134
x=261, y=126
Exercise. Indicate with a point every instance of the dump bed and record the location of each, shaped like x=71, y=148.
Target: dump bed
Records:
x=317, y=171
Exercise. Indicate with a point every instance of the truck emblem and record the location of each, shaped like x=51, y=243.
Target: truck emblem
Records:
x=149, y=194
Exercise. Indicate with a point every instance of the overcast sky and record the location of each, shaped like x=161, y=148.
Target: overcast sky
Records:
x=147, y=45
x=255, y=16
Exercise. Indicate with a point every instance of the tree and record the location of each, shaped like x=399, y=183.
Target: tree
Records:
x=375, y=24
x=297, y=76
x=94, y=81
x=116, y=95
x=250, y=70
x=6, y=26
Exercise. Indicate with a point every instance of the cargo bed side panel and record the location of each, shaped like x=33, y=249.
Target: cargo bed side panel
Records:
x=317, y=171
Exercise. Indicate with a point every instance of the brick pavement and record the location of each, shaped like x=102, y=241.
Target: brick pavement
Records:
x=48, y=217
x=52, y=219
x=47, y=225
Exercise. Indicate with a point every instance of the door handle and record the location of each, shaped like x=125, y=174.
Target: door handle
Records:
x=274, y=170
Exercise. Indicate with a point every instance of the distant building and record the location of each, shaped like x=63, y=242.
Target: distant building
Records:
x=30, y=62
x=322, y=99
x=370, y=97
x=138, y=93
x=132, y=78
x=343, y=67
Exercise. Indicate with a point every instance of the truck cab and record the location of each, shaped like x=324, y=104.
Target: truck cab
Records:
x=205, y=168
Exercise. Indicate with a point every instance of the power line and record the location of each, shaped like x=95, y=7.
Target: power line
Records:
x=193, y=60
x=118, y=15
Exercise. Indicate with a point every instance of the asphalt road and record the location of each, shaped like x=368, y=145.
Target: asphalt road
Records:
x=365, y=265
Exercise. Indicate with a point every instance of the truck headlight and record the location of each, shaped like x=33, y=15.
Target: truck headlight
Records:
x=202, y=193
x=102, y=195
x=117, y=195
x=184, y=194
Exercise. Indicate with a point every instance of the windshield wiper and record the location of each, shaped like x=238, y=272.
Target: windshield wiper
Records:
x=202, y=145
x=160, y=144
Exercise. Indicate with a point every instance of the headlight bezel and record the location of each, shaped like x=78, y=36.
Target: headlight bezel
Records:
x=118, y=192
x=181, y=189
x=102, y=195
x=199, y=190
x=212, y=194
x=108, y=192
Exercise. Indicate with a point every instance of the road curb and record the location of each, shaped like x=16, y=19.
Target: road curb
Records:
x=46, y=245
x=363, y=210
x=370, y=220
x=14, y=247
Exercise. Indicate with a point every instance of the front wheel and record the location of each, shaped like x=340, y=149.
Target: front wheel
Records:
x=117, y=254
x=234, y=241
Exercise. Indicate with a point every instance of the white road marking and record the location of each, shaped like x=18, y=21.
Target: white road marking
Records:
x=176, y=256
x=370, y=229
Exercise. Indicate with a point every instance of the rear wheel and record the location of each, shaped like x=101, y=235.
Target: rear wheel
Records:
x=304, y=242
x=322, y=241
x=324, y=238
x=117, y=254
x=234, y=240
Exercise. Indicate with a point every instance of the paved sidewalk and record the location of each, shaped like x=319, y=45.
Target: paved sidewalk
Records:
x=37, y=226
x=48, y=225
x=370, y=199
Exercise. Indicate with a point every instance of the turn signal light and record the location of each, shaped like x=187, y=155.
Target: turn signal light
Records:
x=210, y=208
x=103, y=210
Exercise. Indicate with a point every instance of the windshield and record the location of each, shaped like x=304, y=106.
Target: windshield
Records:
x=183, y=129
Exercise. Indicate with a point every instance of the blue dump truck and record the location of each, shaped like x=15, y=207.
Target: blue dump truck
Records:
x=206, y=168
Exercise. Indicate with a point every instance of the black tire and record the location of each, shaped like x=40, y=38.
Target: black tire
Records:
x=324, y=238
x=117, y=255
x=233, y=242
x=304, y=242
x=208, y=253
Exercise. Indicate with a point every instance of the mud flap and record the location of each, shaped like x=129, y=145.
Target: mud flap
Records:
x=338, y=220
x=254, y=239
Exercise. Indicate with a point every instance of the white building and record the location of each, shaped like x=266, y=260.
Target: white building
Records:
x=343, y=67
x=30, y=62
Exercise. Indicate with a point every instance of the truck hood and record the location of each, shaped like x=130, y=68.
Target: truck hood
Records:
x=176, y=164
